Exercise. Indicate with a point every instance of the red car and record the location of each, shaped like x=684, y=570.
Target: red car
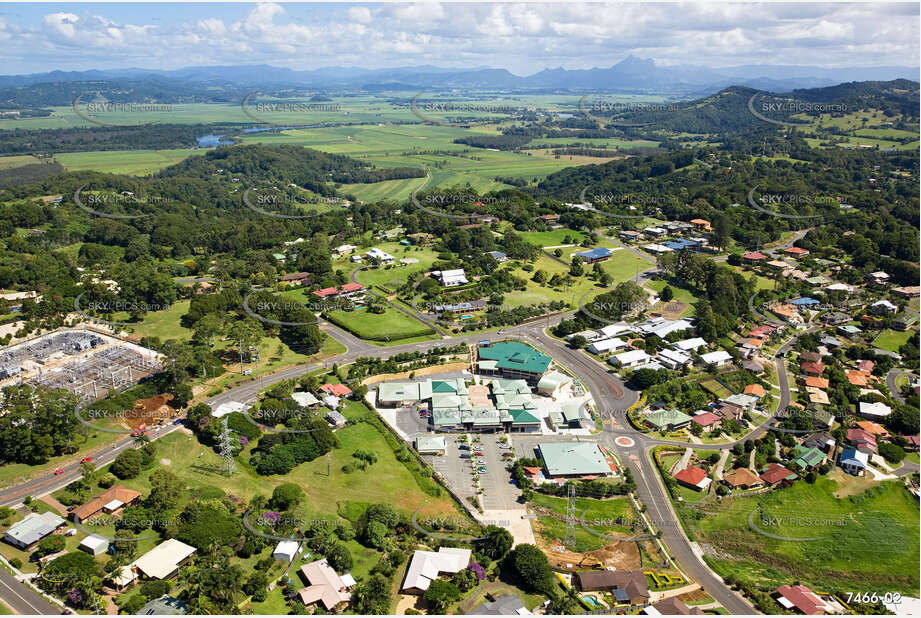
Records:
x=86, y=459
x=59, y=472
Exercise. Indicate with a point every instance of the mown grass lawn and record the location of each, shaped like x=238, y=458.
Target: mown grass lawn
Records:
x=553, y=238
x=379, y=326
x=892, y=340
x=866, y=541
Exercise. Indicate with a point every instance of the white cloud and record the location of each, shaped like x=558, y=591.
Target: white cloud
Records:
x=523, y=37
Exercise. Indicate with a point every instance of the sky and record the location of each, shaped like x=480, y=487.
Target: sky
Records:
x=521, y=37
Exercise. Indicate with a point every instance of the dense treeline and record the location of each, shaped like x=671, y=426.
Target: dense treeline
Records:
x=28, y=174
x=149, y=137
x=499, y=142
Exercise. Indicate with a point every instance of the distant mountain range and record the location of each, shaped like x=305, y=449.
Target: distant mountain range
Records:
x=631, y=75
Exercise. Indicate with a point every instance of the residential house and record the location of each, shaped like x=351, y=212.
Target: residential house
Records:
x=632, y=583
x=754, y=390
x=27, y=532
x=688, y=345
x=701, y=225
x=742, y=478
x=776, y=473
x=633, y=358
x=426, y=566
x=164, y=560
x=728, y=411
x=746, y=402
x=694, y=478
x=325, y=587
x=820, y=440
x=451, y=278
x=853, y=461
x=382, y=256
x=338, y=390
x=707, y=420
x=875, y=410
x=346, y=290
x=808, y=457
x=796, y=252
x=812, y=369
x=110, y=502
x=497, y=256
x=604, y=346
x=883, y=307
x=718, y=358
x=803, y=600
x=674, y=359
x=907, y=291
x=864, y=441
x=877, y=430
x=655, y=232
x=630, y=235
x=296, y=278
x=879, y=277
x=754, y=257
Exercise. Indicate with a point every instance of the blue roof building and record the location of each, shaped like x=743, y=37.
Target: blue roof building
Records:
x=853, y=461
x=595, y=255
x=682, y=243
x=804, y=302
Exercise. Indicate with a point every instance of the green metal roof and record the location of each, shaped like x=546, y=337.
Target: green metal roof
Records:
x=516, y=356
x=569, y=458
x=430, y=443
x=665, y=418
x=523, y=417
x=808, y=457
x=553, y=380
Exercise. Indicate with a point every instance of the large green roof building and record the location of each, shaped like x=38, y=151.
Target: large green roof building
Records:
x=515, y=360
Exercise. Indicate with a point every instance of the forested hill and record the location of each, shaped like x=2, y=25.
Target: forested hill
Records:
x=305, y=167
x=728, y=110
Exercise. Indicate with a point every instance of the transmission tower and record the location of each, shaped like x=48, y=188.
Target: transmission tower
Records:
x=230, y=464
x=570, y=539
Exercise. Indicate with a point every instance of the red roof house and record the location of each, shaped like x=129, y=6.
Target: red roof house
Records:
x=776, y=473
x=693, y=477
x=812, y=369
x=802, y=599
x=343, y=290
x=796, y=251
x=754, y=256
x=339, y=390
x=707, y=419
x=863, y=440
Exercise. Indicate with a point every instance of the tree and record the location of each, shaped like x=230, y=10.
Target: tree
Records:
x=540, y=277
x=533, y=568
x=578, y=342
x=496, y=543
x=286, y=496
x=667, y=294
x=372, y=596
x=441, y=593
x=465, y=580
x=376, y=535
x=575, y=268
x=256, y=585
x=165, y=491
x=49, y=545
x=339, y=557
x=127, y=464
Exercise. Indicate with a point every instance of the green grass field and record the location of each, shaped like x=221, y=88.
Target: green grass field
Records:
x=131, y=162
x=17, y=161
x=376, y=326
x=892, y=340
x=554, y=238
x=868, y=540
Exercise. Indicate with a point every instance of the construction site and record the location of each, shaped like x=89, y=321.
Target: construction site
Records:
x=85, y=362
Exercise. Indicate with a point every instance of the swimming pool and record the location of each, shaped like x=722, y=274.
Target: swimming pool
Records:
x=591, y=600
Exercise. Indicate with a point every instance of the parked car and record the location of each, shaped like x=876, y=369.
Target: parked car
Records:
x=178, y=421
x=465, y=455
x=463, y=447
